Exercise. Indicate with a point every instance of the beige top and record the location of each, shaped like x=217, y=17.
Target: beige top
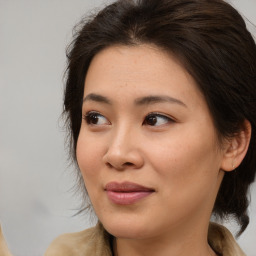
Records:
x=4, y=251
x=96, y=242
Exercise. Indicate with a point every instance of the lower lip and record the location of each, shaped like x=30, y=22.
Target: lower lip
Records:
x=126, y=198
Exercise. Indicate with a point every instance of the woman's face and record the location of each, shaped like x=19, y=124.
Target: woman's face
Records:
x=147, y=148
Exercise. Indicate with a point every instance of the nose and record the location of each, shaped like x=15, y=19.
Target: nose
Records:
x=124, y=152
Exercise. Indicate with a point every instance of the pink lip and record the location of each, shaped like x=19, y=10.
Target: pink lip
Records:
x=127, y=192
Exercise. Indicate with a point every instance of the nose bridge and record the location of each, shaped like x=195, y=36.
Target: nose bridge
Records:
x=123, y=150
x=122, y=137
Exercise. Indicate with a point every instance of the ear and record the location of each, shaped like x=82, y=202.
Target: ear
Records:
x=236, y=148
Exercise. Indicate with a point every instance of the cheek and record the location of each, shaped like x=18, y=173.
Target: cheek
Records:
x=88, y=153
x=186, y=163
x=188, y=181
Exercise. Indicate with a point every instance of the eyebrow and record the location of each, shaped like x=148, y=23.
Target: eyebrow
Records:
x=158, y=99
x=97, y=98
x=152, y=99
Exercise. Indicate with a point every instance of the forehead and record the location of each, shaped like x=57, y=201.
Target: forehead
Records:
x=139, y=71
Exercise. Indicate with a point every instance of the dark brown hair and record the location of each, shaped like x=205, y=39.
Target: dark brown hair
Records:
x=210, y=39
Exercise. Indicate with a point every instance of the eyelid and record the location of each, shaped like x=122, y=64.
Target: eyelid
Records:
x=88, y=114
x=161, y=120
x=171, y=118
x=93, y=112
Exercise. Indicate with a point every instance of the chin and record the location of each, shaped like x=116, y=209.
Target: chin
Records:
x=126, y=228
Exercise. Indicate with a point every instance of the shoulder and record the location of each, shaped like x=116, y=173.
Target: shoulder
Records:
x=4, y=251
x=222, y=241
x=92, y=241
x=67, y=244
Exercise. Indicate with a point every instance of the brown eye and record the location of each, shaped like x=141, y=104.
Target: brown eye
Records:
x=151, y=120
x=94, y=118
x=155, y=119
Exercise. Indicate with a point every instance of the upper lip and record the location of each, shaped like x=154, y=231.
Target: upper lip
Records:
x=127, y=187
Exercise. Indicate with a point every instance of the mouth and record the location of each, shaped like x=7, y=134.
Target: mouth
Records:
x=126, y=193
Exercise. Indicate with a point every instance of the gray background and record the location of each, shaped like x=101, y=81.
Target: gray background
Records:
x=36, y=198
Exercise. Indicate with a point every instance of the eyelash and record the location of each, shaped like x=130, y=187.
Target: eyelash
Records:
x=156, y=114
x=153, y=116
x=89, y=115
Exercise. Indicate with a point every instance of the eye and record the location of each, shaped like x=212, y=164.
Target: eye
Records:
x=95, y=118
x=155, y=119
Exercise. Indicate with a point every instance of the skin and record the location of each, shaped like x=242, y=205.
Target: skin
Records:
x=178, y=155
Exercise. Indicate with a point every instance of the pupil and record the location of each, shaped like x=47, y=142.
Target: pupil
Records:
x=152, y=120
x=94, y=119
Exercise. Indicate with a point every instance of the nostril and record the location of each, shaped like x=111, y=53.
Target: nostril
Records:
x=120, y=160
x=109, y=165
x=128, y=164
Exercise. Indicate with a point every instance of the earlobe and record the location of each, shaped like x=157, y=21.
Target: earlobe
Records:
x=236, y=148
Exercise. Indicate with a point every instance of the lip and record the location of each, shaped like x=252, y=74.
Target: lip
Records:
x=126, y=193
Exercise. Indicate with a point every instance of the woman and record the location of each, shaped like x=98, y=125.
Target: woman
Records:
x=160, y=103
